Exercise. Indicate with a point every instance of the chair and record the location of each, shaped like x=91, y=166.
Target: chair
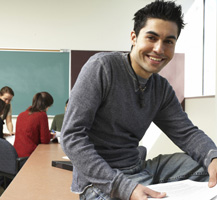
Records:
x=10, y=164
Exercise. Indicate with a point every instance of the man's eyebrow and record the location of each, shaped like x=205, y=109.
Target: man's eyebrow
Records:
x=168, y=37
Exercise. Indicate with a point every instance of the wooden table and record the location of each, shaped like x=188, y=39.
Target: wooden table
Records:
x=38, y=180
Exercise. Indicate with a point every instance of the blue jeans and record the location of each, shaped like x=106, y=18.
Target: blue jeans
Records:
x=162, y=169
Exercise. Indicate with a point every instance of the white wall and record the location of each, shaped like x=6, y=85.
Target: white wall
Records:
x=96, y=25
x=202, y=113
x=67, y=24
x=70, y=24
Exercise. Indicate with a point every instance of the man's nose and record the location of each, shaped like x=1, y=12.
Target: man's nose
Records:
x=159, y=47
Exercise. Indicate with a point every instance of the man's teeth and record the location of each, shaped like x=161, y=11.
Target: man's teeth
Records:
x=155, y=59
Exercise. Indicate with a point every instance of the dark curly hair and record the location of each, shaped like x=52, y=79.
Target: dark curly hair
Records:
x=160, y=9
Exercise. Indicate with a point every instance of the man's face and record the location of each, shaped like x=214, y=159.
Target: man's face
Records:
x=154, y=47
x=6, y=97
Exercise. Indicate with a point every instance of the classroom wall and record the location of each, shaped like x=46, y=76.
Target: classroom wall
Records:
x=70, y=24
x=67, y=24
x=91, y=25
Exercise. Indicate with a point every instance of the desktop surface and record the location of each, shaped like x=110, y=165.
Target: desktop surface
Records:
x=38, y=180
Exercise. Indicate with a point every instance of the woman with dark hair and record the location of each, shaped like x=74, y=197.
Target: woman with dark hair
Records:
x=32, y=125
x=2, y=106
x=7, y=94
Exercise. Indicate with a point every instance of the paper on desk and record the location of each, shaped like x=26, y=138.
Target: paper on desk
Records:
x=186, y=190
x=57, y=133
x=10, y=138
x=65, y=157
x=57, y=136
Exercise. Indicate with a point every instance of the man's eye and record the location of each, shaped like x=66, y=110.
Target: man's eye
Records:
x=169, y=42
x=151, y=38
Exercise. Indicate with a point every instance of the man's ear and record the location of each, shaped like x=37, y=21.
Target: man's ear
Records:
x=133, y=38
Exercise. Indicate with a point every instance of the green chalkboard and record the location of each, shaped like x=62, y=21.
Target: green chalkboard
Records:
x=30, y=72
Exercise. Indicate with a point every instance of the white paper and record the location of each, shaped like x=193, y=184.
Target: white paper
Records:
x=186, y=190
x=10, y=138
x=65, y=157
x=57, y=136
x=57, y=133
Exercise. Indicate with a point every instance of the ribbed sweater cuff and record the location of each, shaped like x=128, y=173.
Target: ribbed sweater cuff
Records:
x=123, y=188
x=211, y=154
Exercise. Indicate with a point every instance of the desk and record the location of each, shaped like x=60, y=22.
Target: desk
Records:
x=38, y=180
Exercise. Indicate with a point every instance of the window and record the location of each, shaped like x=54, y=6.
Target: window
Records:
x=198, y=42
x=209, y=71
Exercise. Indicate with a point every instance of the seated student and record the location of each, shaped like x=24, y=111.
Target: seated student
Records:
x=7, y=94
x=58, y=120
x=32, y=125
x=2, y=106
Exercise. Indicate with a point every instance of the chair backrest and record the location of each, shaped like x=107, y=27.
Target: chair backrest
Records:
x=8, y=156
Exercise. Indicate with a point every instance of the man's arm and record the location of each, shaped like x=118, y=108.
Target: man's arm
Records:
x=174, y=122
x=85, y=99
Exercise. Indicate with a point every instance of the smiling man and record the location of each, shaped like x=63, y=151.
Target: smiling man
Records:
x=153, y=47
x=113, y=102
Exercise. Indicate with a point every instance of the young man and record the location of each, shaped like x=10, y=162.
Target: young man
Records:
x=58, y=120
x=115, y=98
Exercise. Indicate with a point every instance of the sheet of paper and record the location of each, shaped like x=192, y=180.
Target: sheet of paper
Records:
x=186, y=190
x=65, y=157
x=10, y=138
x=57, y=136
x=57, y=133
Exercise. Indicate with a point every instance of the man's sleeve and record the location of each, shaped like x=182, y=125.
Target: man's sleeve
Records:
x=174, y=122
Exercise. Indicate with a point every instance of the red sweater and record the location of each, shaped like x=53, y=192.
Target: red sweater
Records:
x=31, y=130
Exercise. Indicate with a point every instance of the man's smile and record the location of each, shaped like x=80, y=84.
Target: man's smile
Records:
x=158, y=59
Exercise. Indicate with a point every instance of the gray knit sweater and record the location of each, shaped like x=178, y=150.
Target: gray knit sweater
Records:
x=104, y=123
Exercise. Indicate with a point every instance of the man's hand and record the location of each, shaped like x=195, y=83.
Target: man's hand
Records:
x=212, y=170
x=142, y=193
